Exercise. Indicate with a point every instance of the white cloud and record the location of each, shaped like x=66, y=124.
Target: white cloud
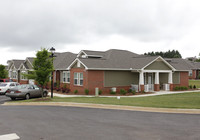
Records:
x=138, y=26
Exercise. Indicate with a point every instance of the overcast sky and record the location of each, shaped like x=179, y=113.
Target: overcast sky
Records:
x=72, y=25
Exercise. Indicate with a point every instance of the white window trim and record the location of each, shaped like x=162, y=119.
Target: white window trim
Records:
x=22, y=76
x=14, y=75
x=78, y=79
x=190, y=73
x=68, y=77
x=65, y=73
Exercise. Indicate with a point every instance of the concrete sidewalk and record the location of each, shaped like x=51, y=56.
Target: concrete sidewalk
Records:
x=104, y=106
x=143, y=95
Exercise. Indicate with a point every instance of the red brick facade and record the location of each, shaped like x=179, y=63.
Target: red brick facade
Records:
x=95, y=78
x=184, y=80
x=194, y=75
x=91, y=79
x=157, y=87
x=76, y=87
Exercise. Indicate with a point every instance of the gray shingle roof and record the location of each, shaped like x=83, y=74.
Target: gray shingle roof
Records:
x=122, y=59
x=197, y=65
x=63, y=60
x=180, y=64
x=17, y=63
x=31, y=59
x=117, y=59
x=26, y=66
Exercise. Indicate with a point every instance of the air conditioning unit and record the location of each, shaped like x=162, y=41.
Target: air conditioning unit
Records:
x=134, y=87
x=114, y=89
x=166, y=87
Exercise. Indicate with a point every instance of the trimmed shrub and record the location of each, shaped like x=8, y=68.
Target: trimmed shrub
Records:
x=100, y=92
x=194, y=87
x=76, y=91
x=130, y=90
x=190, y=86
x=86, y=91
x=176, y=88
x=123, y=91
x=133, y=92
x=180, y=88
x=112, y=92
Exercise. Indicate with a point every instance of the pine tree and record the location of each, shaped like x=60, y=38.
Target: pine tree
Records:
x=168, y=54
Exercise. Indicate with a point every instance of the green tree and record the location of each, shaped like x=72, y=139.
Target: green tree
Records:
x=42, y=66
x=3, y=72
x=168, y=54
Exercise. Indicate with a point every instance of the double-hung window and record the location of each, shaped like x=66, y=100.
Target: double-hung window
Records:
x=78, y=79
x=22, y=75
x=66, y=76
x=14, y=75
x=190, y=73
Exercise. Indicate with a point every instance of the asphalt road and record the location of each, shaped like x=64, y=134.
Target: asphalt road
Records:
x=72, y=123
x=3, y=99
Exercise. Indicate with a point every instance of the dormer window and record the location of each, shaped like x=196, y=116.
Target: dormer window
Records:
x=84, y=56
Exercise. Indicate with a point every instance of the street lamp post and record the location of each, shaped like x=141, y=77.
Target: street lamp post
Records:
x=52, y=56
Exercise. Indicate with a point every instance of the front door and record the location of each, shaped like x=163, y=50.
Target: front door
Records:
x=150, y=82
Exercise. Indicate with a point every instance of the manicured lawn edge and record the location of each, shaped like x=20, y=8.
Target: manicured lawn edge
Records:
x=182, y=100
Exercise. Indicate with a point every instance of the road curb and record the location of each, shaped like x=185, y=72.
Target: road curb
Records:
x=104, y=106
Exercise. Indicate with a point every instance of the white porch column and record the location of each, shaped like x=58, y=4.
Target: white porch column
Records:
x=170, y=81
x=157, y=78
x=141, y=78
x=141, y=81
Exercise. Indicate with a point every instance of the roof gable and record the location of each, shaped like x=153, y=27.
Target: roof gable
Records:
x=28, y=63
x=158, y=64
x=17, y=63
x=22, y=67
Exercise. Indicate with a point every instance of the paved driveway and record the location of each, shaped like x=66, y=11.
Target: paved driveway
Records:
x=73, y=123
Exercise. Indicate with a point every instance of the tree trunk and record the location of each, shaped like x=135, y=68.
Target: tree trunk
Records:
x=42, y=92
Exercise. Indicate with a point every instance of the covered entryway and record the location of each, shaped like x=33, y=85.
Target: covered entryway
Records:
x=149, y=80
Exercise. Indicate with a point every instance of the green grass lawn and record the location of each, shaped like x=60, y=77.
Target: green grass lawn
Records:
x=195, y=82
x=182, y=100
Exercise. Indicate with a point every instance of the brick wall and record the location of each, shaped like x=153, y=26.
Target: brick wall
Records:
x=85, y=81
x=95, y=79
x=91, y=80
x=23, y=82
x=57, y=76
x=184, y=80
x=193, y=75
